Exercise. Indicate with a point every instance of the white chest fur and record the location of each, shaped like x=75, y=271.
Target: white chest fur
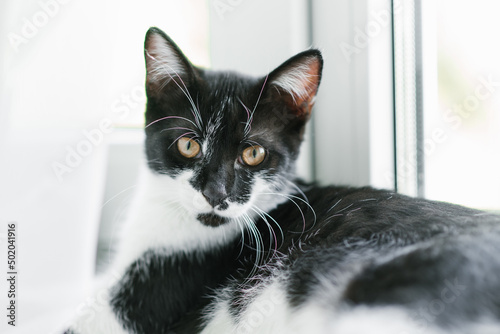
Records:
x=160, y=219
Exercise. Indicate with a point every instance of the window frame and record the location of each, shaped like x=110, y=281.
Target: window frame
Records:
x=356, y=96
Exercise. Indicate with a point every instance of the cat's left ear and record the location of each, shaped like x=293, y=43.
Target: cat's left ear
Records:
x=297, y=80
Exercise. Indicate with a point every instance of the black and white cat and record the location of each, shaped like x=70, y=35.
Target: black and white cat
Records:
x=224, y=239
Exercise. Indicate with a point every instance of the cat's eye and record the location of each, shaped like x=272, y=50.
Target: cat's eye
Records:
x=253, y=155
x=188, y=147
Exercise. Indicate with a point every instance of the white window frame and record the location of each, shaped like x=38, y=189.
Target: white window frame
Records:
x=354, y=121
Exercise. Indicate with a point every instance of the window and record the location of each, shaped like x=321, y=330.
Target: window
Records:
x=447, y=79
x=464, y=165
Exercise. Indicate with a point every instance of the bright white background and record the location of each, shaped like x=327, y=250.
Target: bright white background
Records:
x=83, y=66
x=463, y=166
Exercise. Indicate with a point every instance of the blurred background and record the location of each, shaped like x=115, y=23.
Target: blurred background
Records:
x=410, y=100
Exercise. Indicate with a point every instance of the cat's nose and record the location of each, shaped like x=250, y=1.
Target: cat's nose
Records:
x=215, y=193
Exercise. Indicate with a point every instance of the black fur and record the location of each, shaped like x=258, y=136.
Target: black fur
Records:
x=158, y=292
x=367, y=225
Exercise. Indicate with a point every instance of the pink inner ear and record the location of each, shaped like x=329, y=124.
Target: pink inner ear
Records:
x=310, y=83
x=162, y=60
x=301, y=84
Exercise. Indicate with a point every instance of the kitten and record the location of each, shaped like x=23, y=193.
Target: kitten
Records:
x=224, y=239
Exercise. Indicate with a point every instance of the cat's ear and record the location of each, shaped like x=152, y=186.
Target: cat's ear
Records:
x=296, y=81
x=165, y=62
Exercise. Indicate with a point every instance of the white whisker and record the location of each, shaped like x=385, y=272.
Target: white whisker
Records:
x=270, y=228
x=169, y=117
x=185, y=91
x=273, y=220
x=250, y=114
x=291, y=198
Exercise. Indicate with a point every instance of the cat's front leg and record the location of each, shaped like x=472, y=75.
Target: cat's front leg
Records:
x=157, y=292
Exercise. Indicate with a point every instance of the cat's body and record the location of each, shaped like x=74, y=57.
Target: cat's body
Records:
x=224, y=240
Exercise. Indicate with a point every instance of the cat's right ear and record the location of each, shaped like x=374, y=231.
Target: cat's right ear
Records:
x=165, y=62
x=297, y=80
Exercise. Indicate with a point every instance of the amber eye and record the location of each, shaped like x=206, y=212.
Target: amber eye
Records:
x=253, y=155
x=188, y=147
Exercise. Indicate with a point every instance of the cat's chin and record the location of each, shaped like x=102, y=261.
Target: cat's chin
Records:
x=211, y=219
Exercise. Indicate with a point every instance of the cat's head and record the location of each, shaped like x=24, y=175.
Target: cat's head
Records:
x=225, y=143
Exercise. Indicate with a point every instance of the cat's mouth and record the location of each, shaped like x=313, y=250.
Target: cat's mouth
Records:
x=211, y=219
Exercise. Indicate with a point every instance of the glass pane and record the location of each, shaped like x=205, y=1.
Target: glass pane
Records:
x=462, y=122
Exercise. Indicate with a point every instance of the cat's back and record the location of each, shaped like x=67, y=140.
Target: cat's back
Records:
x=339, y=215
x=355, y=255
